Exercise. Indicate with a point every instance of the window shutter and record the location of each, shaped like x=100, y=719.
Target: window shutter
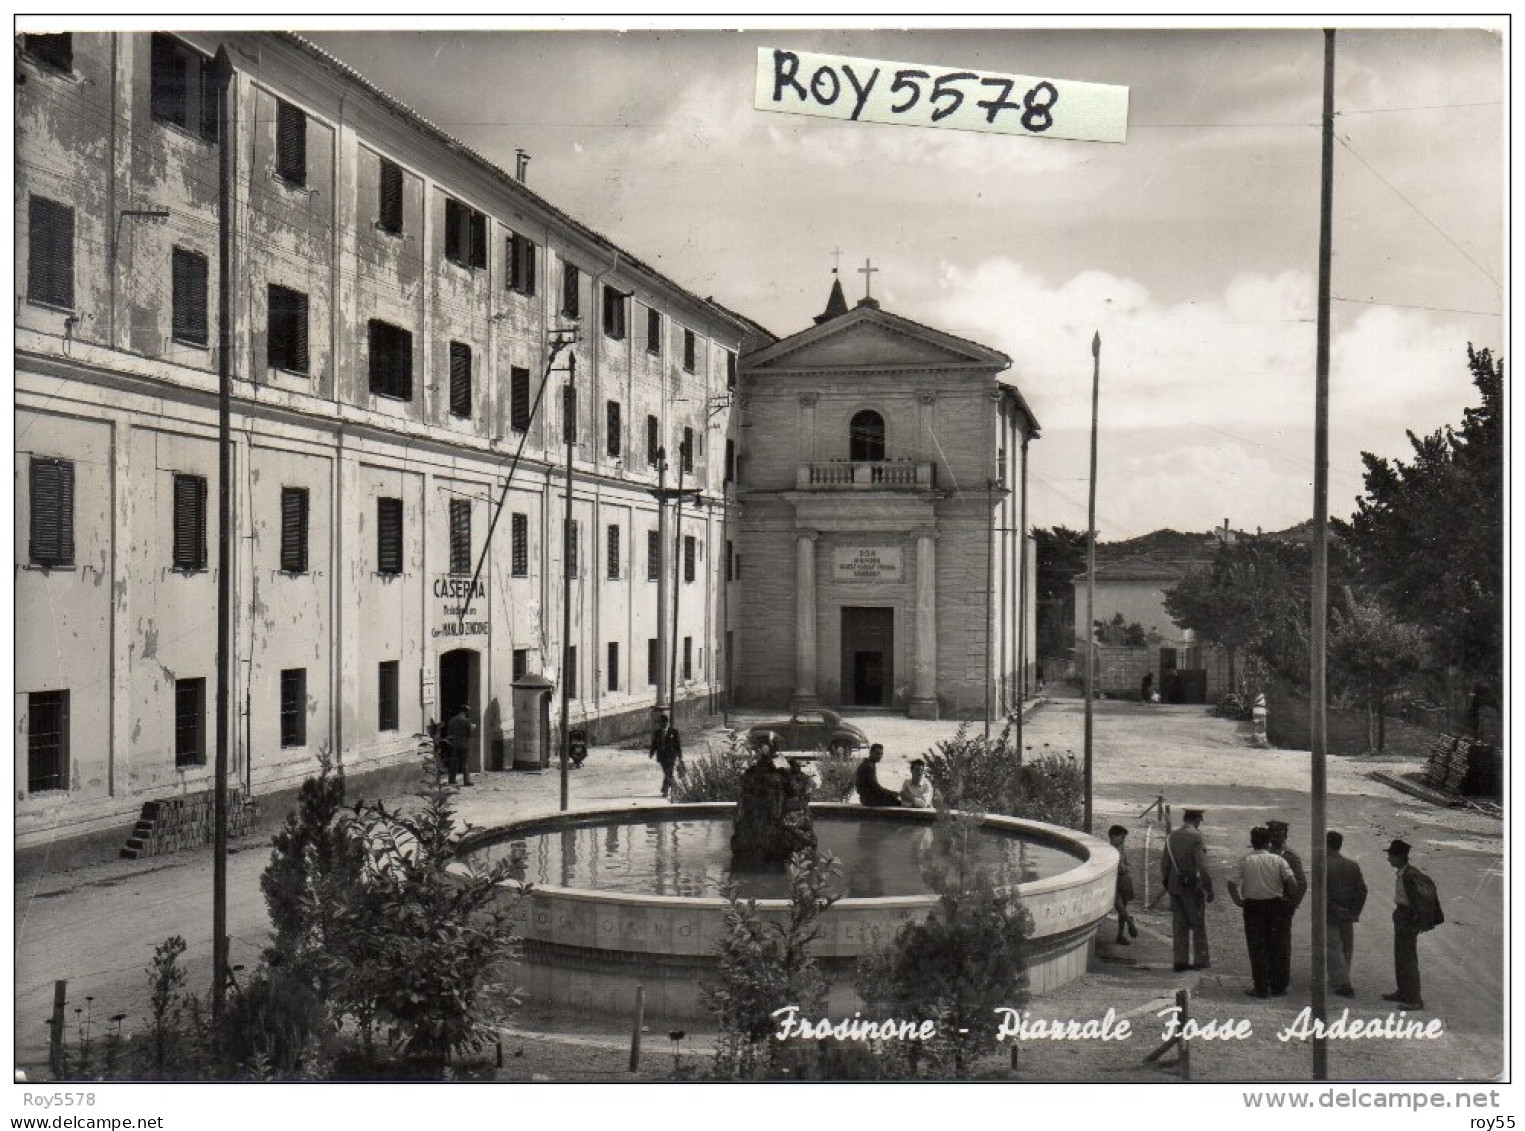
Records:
x=209, y=99
x=52, y=505
x=460, y=536
x=190, y=522
x=189, y=296
x=614, y=553
x=389, y=535
x=294, y=529
x=391, y=196
x=569, y=291
x=460, y=379
x=167, y=96
x=653, y=555
x=527, y=274
x=519, y=397
x=521, y=546
x=612, y=428
x=298, y=358
x=291, y=143
x=478, y=240
x=50, y=247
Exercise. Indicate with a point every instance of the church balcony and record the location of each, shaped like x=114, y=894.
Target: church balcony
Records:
x=867, y=475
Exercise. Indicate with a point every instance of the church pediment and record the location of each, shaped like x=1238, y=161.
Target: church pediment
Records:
x=868, y=338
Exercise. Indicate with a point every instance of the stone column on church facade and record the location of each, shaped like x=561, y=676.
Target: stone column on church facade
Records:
x=804, y=622
x=924, y=683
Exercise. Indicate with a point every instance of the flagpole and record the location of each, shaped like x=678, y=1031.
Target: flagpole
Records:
x=1090, y=636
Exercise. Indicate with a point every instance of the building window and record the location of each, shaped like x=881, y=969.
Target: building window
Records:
x=190, y=515
x=460, y=536
x=614, y=666
x=51, y=494
x=293, y=529
x=460, y=379
x=569, y=291
x=183, y=88
x=653, y=555
x=614, y=313
x=686, y=449
x=386, y=695
x=612, y=544
x=572, y=672
x=654, y=332
x=688, y=657
x=865, y=436
x=391, y=361
x=730, y=369
x=688, y=351
x=519, y=399
x=47, y=741
x=294, y=707
x=56, y=50
x=188, y=296
x=730, y=560
x=612, y=428
x=571, y=548
x=465, y=235
x=521, y=264
x=689, y=549
x=653, y=661
x=521, y=545
x=290, y=143
x=190, y=722
x=388, y=535
x=389, y=198
x=653, y=440
x=50, y=253
x=730, y=461
x=287, y=347
x=521, y=663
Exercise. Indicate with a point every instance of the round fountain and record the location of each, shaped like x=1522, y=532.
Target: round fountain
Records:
x=625, y=896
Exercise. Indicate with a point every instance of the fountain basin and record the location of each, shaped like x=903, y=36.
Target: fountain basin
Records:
x=586, y=948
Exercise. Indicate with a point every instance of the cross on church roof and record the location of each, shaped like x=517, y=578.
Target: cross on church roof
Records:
x=837, y=255
x=868, y=270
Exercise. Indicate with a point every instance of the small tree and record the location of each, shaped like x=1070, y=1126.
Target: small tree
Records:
x=766, y=965
x=1375, y=655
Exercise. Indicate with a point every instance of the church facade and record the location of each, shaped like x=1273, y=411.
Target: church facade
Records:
x=880, y=483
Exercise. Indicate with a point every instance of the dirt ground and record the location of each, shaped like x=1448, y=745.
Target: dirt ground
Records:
x=97, y=926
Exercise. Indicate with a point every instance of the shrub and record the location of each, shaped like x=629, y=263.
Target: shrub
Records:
x=714, y=776
x=977, y=776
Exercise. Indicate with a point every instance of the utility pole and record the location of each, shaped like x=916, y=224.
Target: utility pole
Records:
x=1022, y=591
x=1318, y=673
x=677, y=580
x=568, y=548
x=663, y=700
x=989, y=593
x=226, y=169
x=1090, y=638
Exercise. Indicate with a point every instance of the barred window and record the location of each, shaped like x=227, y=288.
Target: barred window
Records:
x=460, y=379
x=287, y=347
x=460, y=536
x=519, y=399
x=50, y=253
x=190, y=522
x=290, y=143
x=465, y=235
x=387, y=695
x=389, y=198
x=613, y=548
x=653, y=555
x=571, y=534
x=293, y=529
x=294, y=707
x=388, y=535
x=190, y=722
x=183, y=88
x=47, y=741
x=188, y=296
x=51, y=495
x=391, y=362
x=521, y=545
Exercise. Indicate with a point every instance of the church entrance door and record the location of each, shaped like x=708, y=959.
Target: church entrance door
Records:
x=868, y=656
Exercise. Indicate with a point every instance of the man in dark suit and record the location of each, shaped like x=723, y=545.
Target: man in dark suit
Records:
x=1344, y=897
x=1183, y=870
x=866, y=778
x=1281, y=972
x=667, y=749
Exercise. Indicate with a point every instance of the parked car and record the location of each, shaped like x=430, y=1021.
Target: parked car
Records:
x=808, y=730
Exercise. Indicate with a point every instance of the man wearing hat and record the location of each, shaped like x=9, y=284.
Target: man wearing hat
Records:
x=1183, y=871
x=1259, y=883
x=1406, y=926
x=1281, y=971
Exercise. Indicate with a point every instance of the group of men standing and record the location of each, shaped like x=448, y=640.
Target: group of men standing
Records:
x=1269, y=885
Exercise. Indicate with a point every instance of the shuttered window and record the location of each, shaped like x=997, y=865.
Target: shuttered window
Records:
x=190, y=722
x=183, y=87
x=47, y=741
x=391, y=361
x=387, y=695
x=389, y=205
x=465, y=235
x=569, y=290
x=50, y=253
x=287, y=347
x=521, y=545
x=654, y=331
x=188, y=290
x=612, y=428
x=688, y=557
x=689, y=351
x=294, y=707
x=51, y=494
x=190, y=514
x=519, y=399
x=614, y=313
x=653, y=555
x=55, y=50
x=521, y=264
x=460, y=536
x=388, y=535
x=613, y=550
x=294, y=529
x=290, y=143
x=653, y=440
x=460, y=379
x=572, y=533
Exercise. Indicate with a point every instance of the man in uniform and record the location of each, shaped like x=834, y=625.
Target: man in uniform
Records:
x=1345, y=896
x=1281, y=973
x=1183, y=870
x=1259, y=883
x=461, y=729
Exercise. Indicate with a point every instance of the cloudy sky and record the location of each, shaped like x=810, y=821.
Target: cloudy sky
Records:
x=1192, y=247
